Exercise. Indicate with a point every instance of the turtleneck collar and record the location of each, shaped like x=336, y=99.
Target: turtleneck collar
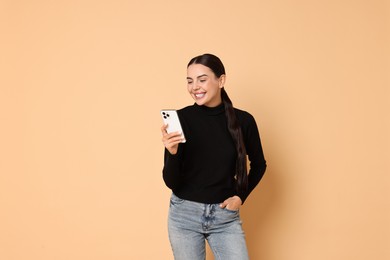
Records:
x=211, y=110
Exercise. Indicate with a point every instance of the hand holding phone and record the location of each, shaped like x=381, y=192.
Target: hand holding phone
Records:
x=171, y=119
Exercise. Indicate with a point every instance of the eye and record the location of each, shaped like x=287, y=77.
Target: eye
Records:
x=189, y=82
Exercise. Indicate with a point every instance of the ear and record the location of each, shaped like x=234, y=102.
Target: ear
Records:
x=222, y=80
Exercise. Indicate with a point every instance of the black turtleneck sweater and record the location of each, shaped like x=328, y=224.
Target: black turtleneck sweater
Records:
x=203, y=169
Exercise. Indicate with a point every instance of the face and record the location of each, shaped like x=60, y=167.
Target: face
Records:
x=203, y=86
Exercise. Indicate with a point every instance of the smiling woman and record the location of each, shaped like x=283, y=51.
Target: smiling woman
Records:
x=204, y=86
x=81, y=85
x=208, y=173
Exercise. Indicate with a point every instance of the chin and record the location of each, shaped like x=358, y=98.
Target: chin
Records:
x=200, y=102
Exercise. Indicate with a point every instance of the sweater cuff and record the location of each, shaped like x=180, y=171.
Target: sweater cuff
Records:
x=243, y=197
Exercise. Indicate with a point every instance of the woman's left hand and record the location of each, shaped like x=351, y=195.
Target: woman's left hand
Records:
x=232, y=203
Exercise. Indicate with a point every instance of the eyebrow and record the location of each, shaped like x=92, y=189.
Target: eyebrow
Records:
x=199, y=76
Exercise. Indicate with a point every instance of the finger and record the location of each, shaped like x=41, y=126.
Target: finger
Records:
x=172, y=135
x=172, y=139
x=172, y=142
x=231, y=207
x=164, y=129
x=223, y=204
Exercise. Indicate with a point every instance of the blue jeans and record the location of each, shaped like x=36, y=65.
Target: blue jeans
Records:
x=191, y=223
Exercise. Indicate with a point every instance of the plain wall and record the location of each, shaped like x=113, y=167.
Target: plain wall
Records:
x=81, y=86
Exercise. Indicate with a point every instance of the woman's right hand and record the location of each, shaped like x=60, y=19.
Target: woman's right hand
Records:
x=171, y=141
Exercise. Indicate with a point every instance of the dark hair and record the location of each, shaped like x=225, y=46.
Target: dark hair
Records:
x=215, y=64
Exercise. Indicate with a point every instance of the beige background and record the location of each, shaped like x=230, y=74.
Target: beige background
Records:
x=81, y=86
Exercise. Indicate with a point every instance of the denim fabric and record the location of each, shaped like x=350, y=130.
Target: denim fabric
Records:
x=190, y=224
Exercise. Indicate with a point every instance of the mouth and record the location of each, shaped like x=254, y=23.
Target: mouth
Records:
x=199, y=95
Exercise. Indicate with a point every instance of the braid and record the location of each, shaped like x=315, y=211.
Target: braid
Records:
x=236, y=133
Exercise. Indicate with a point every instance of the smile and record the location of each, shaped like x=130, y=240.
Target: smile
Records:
x=199, y=95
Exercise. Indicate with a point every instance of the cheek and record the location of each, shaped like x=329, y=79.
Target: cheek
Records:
x=213, y=88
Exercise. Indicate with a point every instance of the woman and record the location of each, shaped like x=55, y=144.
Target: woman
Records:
x=208, y=173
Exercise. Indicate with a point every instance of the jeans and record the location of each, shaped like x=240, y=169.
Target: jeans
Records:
x=191, y=223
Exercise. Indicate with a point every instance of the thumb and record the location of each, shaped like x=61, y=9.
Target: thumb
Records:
x=223, y=204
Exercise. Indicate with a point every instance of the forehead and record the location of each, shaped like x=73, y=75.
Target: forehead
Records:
x=195, y=70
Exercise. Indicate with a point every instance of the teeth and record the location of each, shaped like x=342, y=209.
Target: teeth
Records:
x=199, y=95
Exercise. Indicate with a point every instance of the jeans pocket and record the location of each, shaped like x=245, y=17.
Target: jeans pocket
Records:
x=231, y=211
x=175, y=200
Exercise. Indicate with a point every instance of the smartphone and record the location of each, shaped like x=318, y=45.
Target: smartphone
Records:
x=171, y=118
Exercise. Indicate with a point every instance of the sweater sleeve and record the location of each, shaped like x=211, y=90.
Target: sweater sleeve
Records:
x=257, y=165
x=171, y=170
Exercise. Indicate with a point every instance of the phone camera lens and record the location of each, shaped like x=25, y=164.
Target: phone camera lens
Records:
x=165, y=115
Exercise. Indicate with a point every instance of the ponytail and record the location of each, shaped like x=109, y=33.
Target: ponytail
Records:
x=236, y=133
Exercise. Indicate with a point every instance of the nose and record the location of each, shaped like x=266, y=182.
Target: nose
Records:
x=195, y=86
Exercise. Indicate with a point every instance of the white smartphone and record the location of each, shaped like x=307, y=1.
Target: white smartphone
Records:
x=171, y=118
